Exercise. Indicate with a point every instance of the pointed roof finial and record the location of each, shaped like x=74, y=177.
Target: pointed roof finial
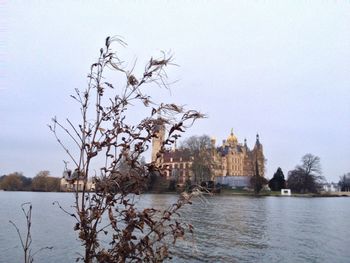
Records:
x=257, y=140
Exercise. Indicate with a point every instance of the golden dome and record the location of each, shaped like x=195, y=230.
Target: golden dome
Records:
x=232, y=138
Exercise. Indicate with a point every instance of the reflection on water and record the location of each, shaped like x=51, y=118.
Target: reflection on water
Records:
x=227, y=228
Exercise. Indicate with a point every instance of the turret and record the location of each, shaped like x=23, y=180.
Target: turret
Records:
x=245, y=146
x=258, y=145
x=212, y=142
x=259, y=156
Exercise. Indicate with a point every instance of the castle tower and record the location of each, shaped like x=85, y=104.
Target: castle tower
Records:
x=157, y=141
x=259, y=156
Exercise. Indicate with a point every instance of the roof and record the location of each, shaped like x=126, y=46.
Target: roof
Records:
x=224, y=150
x=179, y=154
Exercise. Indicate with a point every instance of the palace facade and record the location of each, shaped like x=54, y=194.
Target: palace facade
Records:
x=234, y=163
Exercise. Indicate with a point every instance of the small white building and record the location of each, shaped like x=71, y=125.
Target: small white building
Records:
x=76, y=185
x=286, y=192
x=331, y=187
x=72, y=186
x=73, y=181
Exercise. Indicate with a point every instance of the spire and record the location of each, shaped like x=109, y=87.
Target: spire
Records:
x=258, y=145
x=245, y=144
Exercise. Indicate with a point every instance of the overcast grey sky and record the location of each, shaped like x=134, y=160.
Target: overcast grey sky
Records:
x=279, y=68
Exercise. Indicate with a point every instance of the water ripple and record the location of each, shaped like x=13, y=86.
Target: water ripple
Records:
x=227, y=228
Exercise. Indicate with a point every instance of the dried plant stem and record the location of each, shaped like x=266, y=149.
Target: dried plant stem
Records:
x=27, y=241
x=136, y=235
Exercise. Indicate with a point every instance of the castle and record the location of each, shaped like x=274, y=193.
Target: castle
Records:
x=234, y=163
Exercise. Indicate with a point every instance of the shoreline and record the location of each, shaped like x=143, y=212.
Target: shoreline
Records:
x=227, y=192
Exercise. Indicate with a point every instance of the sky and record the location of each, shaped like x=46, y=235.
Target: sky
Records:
x=277, y=68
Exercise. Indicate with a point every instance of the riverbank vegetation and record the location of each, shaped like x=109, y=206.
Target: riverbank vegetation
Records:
x=245, y=192
x=42, y=182
x=277, y=182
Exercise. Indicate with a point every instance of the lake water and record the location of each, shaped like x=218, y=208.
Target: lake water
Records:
x=227, y=228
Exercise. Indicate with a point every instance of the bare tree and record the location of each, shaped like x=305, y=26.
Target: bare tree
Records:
x=108, y=138
x=13, y=182
x=257, y=181
x=344, y=182
x=311, y=164
x=45, y=183
x=307, y=176
x=203, y=162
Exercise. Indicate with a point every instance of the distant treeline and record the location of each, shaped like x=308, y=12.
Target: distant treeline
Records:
x=42, y=182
